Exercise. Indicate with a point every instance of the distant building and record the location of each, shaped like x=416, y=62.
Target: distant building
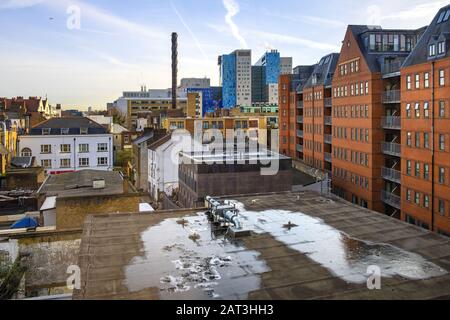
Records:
x=34, y=109
x=239, y=174
x=69, y=144
x=236, y=78
x=71, y=113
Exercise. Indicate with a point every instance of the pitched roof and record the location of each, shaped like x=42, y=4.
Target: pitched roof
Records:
x=434, y=31
x=68, y=122
x=323, y=71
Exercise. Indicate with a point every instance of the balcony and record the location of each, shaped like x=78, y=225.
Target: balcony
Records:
x=328, y=102
x=391, y=199
x=300, y=105
x=327, y=157
x=391, y=175
x=299, y=148
x=391, y=123
x=392, y=149
x=391, y=68
x=328, y=138
x=328, y=121
x=300, y=133
x=391, y=96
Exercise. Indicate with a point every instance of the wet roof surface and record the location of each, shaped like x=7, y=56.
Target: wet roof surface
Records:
x=303, y=246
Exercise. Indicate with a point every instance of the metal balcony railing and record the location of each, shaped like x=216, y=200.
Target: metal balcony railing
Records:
x=328, y=120
x=327, y=157
x=391, y=67
x=391, y=199
x=393, y=149
x=328, y=102
x=300, y=105
x=391, y=96
x=300, y=133
x=328, y=138
x=391, y=175
x=391, y=122
x=300, y=119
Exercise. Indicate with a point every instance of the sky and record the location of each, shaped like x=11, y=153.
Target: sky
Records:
x=83, y=53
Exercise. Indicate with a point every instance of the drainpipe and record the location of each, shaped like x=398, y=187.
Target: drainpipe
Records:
x=432, y=143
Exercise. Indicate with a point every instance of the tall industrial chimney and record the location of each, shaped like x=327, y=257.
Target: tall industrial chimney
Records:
x=174, y=69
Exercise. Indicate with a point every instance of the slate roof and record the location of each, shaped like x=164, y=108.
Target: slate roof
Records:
x=74, y=124
x=324, y=71
x=433, y=32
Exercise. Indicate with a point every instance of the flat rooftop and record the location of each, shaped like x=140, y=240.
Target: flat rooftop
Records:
x=302, y=246
x=221, y=157
x=80, y=183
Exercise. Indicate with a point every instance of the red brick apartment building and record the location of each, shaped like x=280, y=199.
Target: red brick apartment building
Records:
x=290, y=111
x=378, y=119
x=425, y=129
x=317, y=119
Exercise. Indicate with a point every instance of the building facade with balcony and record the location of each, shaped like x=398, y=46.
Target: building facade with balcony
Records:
x=366, y=116
x=68, y=144
x=425, y=130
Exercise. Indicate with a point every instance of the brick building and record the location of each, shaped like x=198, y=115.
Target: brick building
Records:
x=425, y=133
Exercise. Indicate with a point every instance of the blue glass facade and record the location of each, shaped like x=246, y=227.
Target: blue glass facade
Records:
x=228, y=72
x=272, y=67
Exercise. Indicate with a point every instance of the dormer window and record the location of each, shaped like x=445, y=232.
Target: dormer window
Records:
x=64, y=131
x=432, y=50
x=83, y=130
x=46, y=131
x=441, y=47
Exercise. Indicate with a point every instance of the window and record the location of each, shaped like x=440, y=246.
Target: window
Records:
x=426, y=79
x=426, y=110
x=426, y=140
x=432, y=50
x=46, y=163
x=83, y=162
x=426, y=171
x=441, y=47
x=408, y=110
x=417, y=109
x=417, y=140
x=417, y=81
x=441, y=175
x=46, y=149
x=408, y=195
x=441, y=142
x=83, y=130
x=442, y=207
x=441, y=78
x=441, y=109
x=367, y=87
x=46, y=131
x=102, y=147
x=65, y=131
x=64, y=163
x=426, y=201
x=417, y=198
x=83, y=148
x=417, y=170
x=409, y=139
x=26, y=152
x=65, y=148
x=103, y=161
x=408, y=82
x=408, y=167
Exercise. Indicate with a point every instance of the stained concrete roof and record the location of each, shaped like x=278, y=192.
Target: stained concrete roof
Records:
x=303, y=246
x=80, y=183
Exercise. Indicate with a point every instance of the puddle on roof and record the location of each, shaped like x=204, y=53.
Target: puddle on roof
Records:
x=345, y=257
x=187, y=261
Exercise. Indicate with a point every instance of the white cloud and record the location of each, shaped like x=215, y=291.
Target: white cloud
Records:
x=233, y=9
x=268, y=37
x=17, y=4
